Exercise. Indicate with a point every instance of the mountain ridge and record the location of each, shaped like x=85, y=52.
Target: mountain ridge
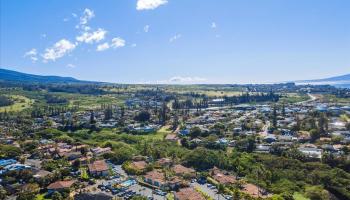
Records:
x=342, y=81
x=345, y=77
x=15, y=76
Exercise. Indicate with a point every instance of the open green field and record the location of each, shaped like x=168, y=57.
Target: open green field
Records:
x=294, y=98
x=116, y=135
x=209, y=90
x=91, y=102
x=20, y=103
x=328, y=98
x=298, y=196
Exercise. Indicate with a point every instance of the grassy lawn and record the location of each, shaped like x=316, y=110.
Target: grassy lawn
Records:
x=20, y=103
x=40, y=197
x=170, y=196
x=299, y=196
x=328, y=98
x=115, y=135
x=345, y=118
x=160, y=134
x=84, y=175
x=91, y=102
x=294, y=98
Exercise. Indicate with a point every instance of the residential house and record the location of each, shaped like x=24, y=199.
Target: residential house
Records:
x=270, y=138
x=263, y=148
x=181, y=170
x=165, y=162
x=255, y=191
x=157, y=179
x=39, y=174
x=60, y=186
x=98, y=168
x=139, y=165
x=222, y=177
x=172, y=137
x=98, y=151
x=311, y=152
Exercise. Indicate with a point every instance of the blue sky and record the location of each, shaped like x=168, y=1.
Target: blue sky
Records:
x=177, y=41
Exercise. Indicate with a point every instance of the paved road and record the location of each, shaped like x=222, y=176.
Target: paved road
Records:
x=144, y=191
x=312, y=98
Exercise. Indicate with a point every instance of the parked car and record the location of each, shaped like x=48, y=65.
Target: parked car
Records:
x=202, y=180
x=159, y=192
x=92, y=181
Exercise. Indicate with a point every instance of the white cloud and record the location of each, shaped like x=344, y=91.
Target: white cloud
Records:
x=58, y=50
x=146, y=28
x=149, y=4
x=43, y=35
x=133, y=45
x=213, y=25
x=118, y=42
x=91, y=37
x=32, y=54
x=71, y=65
x=66, y=19
x=103, y=47
x=175, y=37
x=87, y=15
x=74, y=15
x=183, y=80
x=84, y=19
x=188, y=79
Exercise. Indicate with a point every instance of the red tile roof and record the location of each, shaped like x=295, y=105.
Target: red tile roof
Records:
x=188, y=194
x=179, y=169
x=60, y=185
x=98, y=166
x=140, y=165
x=221, y=177
x=156, y=175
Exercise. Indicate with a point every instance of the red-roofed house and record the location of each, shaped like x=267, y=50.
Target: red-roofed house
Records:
x=60, y=186
x=98, y=168
x=180, y=170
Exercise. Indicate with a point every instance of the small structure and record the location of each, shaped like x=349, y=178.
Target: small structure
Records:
x=221, y=177
x=98, y=168
x=5, y=162
x=60, y=186
x=139, y=165
x=155, y=178
x=41, y=174
x=165, y=162
x=181, y=170
x=100, y=151
x=255, y=191
x=311, y=152
x=172, y=137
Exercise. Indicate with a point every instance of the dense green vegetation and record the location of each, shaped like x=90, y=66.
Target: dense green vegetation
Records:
x=287, y=173
x=5, y=101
